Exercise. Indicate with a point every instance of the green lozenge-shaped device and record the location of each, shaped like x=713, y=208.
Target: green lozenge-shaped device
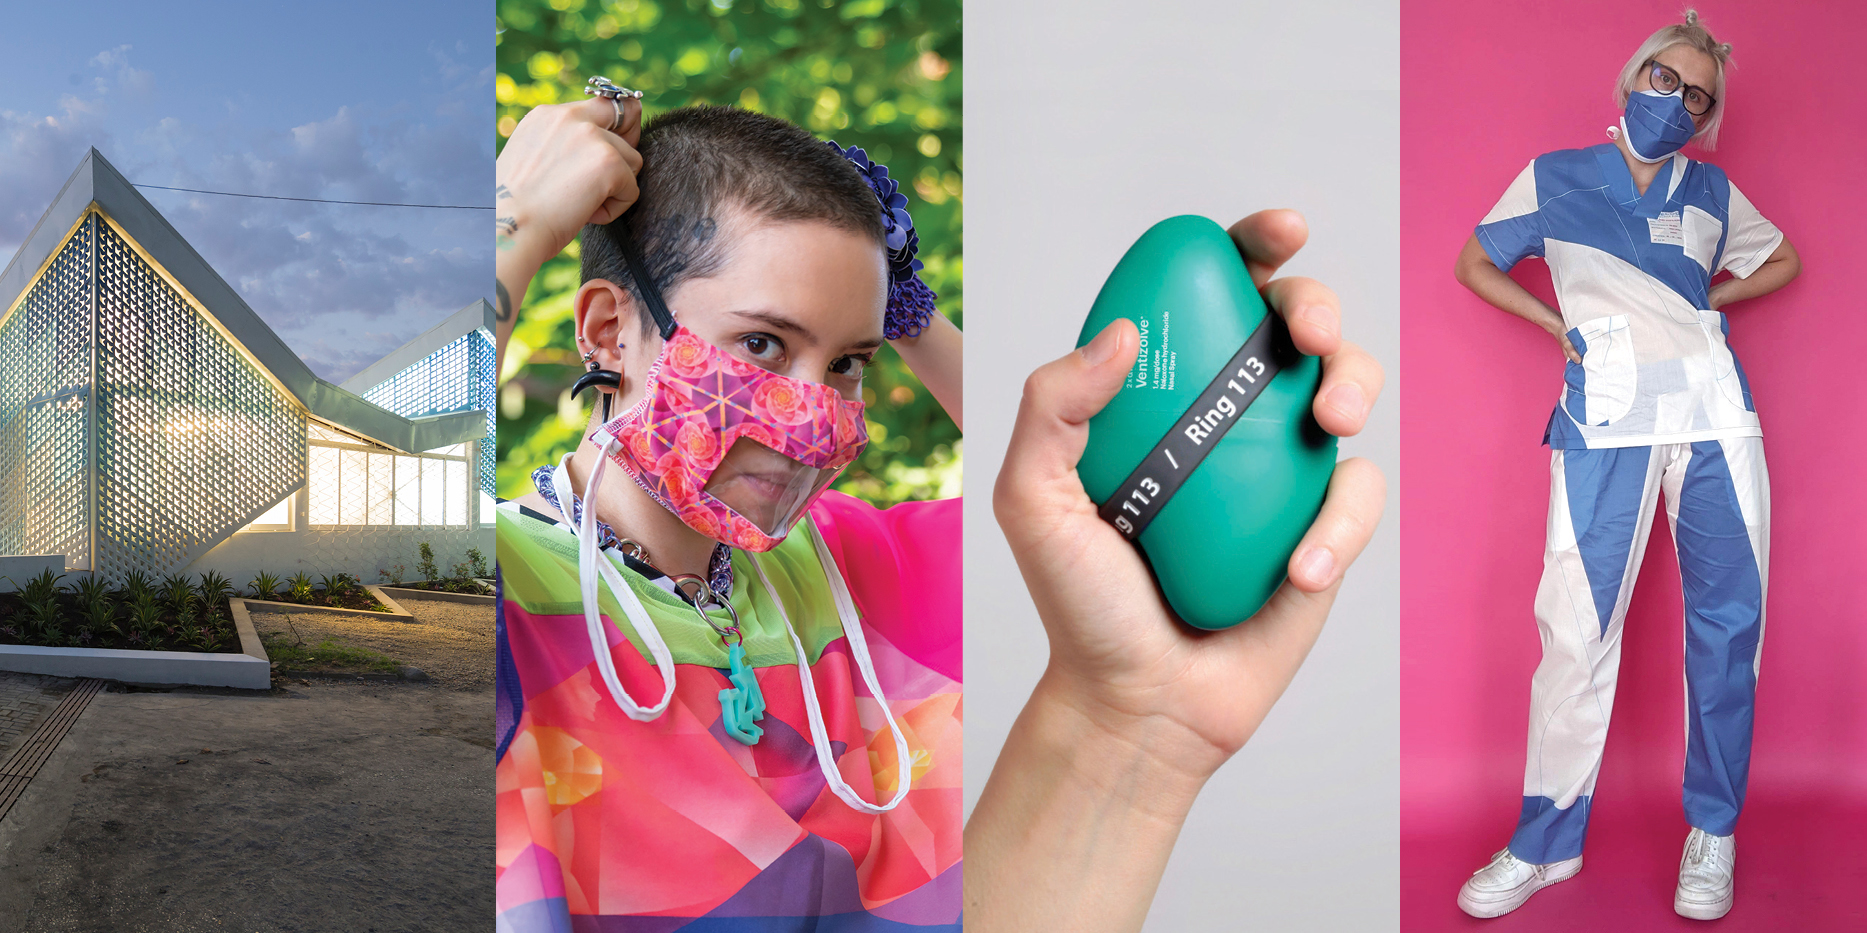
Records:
x=1220, y=546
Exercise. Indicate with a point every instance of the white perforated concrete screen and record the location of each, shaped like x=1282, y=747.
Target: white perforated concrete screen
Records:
x=134, y=434
x=45, y=379
x=458, y=376
x=193, y=440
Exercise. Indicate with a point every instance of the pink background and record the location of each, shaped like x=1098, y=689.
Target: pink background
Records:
x=1486, y=87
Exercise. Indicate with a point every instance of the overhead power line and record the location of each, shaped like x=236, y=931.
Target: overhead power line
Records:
x=275, y=197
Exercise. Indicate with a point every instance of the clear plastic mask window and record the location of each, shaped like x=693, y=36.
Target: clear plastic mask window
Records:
x=770, y=489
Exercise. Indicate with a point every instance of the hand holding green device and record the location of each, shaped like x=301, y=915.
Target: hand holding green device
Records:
x=1208, y=459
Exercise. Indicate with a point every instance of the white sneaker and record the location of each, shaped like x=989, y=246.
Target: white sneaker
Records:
x=1707, y=876
x=1503, y=885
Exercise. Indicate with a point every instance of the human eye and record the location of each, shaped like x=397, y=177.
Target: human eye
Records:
x=1664, y=79
x=852, y=366
x=764, y=349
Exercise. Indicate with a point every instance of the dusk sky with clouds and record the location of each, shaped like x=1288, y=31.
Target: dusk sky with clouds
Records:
x=365, y=101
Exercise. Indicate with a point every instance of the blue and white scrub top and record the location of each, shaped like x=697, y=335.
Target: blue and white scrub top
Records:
x=1632, y=275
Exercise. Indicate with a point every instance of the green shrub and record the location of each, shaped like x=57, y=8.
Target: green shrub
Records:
x=332, y=585
x=40, y=588
x=45, y=617
x=213, y=593
x=135, y=584
x=101, y=615
x=177, y=593
x=265, y=586
x=300, y=588
x=145, y=615
x=90, y=590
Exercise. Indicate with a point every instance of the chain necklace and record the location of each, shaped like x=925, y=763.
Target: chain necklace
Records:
x=719, y=566
x=743, y=704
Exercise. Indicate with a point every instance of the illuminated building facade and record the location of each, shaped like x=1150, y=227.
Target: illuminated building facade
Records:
x=150, y=420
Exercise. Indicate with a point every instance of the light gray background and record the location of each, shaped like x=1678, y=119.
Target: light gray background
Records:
x=1085, y=124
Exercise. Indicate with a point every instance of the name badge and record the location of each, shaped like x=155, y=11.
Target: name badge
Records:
x=1666, y=229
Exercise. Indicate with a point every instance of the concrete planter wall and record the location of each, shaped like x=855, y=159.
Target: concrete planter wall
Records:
x=395, y=609
x=250, y=669
x=475, y=599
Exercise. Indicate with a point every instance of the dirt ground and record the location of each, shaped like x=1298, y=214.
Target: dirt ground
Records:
x=317, y=806
x=450, y=642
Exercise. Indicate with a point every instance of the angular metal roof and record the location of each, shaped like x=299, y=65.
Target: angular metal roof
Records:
x=476, y=316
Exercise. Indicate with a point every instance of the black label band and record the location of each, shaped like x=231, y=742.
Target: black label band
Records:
x=1164, y=470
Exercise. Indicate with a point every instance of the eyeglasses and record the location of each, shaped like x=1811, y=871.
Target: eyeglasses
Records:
x=1666, y=81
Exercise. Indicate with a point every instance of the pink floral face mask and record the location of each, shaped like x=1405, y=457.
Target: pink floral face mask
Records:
x=736, y=451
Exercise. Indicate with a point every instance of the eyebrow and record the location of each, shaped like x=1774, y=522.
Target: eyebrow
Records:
x=1682, y=77
x=779, y=322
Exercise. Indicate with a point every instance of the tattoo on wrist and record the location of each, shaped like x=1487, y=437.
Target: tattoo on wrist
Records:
x=508, y=226
x=501, y=193
x=503, y=313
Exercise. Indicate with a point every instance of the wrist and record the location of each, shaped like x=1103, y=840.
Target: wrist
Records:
x=522, y=240
x=1066, y=783
x=518, y=255
x=1122, y=752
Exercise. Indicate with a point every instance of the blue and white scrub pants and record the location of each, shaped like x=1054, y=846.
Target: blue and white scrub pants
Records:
x=1601, y=505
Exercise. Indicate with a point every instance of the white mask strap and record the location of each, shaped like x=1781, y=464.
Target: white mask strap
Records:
x=859, y=649
x=1635, y=152
x=591, y=566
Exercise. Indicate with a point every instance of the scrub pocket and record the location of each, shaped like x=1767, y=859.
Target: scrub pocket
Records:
x=1601, y=387
x=1701, y=232
x=1725, y=369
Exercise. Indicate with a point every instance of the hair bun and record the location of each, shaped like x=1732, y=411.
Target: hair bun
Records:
x=1691, y=17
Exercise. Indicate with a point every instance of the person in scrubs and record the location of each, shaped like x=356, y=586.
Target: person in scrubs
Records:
x=1653, y=401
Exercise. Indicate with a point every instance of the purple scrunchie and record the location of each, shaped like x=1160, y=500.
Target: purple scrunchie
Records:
x=910, y=301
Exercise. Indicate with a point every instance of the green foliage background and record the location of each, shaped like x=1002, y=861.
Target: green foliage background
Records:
x=880, y=74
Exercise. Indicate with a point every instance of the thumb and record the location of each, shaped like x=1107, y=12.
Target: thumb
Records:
x=1053, y=418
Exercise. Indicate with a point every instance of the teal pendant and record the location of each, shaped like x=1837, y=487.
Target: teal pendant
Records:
x=742, y=705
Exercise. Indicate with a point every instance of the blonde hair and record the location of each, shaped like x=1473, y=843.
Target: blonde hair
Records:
x=1693, y=36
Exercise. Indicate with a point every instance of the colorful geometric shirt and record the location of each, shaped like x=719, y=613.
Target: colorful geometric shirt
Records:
x=1633, y=275
x=609, y=824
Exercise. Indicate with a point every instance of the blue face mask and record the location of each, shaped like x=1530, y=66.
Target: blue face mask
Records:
x=1656, y=125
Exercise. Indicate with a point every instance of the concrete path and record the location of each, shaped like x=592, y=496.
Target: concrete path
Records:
x=315, y=807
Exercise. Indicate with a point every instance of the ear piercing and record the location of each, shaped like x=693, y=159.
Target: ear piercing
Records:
x=598, y=379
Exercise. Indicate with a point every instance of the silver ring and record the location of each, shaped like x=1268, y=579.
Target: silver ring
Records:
x=704, y=594
x=603, y=87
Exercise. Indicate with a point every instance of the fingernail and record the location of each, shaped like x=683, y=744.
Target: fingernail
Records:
x=1097, y=351
x=1348, y=401
x=1321, y=318
x=1317, y=566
